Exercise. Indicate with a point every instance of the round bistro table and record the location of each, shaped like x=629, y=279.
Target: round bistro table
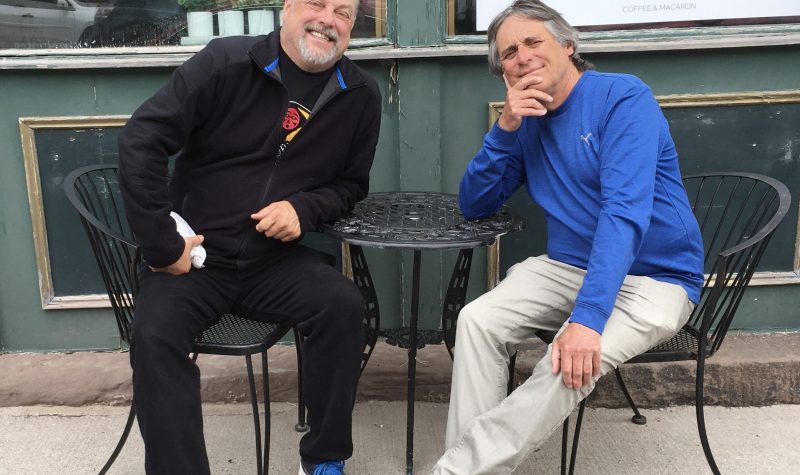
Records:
x=417, y=221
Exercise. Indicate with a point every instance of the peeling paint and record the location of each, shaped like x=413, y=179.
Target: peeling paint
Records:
x=391, y=104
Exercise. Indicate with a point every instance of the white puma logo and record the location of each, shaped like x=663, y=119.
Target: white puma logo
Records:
x=586, y=139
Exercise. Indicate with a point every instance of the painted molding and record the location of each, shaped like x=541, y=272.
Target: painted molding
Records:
x=728, y=99
x=27, y=128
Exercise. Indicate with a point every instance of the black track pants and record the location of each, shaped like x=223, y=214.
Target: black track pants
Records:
x=297, y=287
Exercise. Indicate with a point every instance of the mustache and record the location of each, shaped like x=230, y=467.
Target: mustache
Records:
x=329, y=32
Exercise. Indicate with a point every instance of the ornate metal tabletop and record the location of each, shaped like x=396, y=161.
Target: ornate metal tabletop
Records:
x=418, y=220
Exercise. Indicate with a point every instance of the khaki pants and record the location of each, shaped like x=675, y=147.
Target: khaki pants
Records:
x=489, y=433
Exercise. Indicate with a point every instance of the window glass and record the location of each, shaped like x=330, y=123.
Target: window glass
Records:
x=115, y=23
x=461, y=17
x=371, y=19
x=467, y=17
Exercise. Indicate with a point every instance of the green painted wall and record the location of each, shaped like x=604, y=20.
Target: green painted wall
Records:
x=23, y=324
x=435, y=114
x=419, y=23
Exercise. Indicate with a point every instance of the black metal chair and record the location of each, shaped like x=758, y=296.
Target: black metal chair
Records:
x=94, y=193
x=738, y=214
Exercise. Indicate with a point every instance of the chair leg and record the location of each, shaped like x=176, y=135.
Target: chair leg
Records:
x=576, y=437
x=302, y=425
x=575, y=440
x=267, y=415
x=254, y=403
x=701, y=421
x=637, y=418
x=564, y=442
x=122, y=439
x=511, y=379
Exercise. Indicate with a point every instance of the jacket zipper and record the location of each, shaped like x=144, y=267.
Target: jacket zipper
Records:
x=277, y=163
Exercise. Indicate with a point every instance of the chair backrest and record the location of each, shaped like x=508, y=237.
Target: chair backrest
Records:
x=95, y=194
x=738, y=214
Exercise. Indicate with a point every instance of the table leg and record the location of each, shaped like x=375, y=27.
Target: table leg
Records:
x=455, y=297
x=354, y=266
x=412, y=364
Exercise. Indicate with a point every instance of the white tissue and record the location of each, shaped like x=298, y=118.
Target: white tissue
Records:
x=198, y=253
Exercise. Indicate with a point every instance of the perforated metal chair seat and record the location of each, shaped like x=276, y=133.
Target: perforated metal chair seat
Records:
x=683, y=346
x=235, y=335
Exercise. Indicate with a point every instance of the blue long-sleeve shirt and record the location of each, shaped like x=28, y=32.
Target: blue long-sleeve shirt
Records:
x=603, y=167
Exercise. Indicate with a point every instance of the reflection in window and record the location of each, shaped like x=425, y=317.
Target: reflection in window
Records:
x=461, y=17
x=47, y=23
x=371, y=19
x=115, y=23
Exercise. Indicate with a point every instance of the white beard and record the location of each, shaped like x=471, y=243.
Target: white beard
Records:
x=315, y=56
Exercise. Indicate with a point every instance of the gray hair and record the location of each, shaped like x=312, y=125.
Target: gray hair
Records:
x=563, y=32
x=355, y=9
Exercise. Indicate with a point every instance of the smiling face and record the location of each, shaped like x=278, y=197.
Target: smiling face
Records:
x=315, y=33
x=526, y=46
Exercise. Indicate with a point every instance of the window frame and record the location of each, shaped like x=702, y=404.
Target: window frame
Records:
x=391, y=47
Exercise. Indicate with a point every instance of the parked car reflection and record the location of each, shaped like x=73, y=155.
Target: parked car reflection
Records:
x=111, y=23
x=140, y=23
x=47, y=23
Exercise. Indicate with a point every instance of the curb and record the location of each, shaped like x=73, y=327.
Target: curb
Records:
x=750, y=370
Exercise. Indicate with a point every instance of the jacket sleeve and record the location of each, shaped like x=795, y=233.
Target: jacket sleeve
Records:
x=329, y=202
x=628, y=161
x=157, y=130
x=492, y=176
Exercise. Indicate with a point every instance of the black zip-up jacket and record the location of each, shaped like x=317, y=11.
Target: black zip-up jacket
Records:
x=223, y=110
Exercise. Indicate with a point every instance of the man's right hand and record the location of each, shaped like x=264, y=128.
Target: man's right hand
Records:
x=522, y=100
x=184, y=264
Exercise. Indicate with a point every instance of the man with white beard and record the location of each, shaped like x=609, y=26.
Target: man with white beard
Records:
x=275, y=136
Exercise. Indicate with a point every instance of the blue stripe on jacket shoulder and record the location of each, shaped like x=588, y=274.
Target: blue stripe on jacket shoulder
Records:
x=342, y=85
x=271, y=66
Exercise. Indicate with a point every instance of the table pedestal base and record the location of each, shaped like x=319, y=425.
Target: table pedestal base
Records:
x=411, y=337
x=416, y=221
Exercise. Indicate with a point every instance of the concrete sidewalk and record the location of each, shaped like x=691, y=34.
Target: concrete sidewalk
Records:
x=77, y=440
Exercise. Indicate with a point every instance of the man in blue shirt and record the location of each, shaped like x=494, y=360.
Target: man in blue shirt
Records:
x=624, y=262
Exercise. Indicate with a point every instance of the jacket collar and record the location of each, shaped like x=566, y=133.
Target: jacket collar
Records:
x=266, y=53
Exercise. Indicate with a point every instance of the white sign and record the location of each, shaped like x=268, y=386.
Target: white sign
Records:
x=621, y=12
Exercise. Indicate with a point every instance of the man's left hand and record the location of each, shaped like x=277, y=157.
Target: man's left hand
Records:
x=278, y=220
x=576, y=354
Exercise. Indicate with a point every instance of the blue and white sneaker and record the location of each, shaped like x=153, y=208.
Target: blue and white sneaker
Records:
x=324, y=468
